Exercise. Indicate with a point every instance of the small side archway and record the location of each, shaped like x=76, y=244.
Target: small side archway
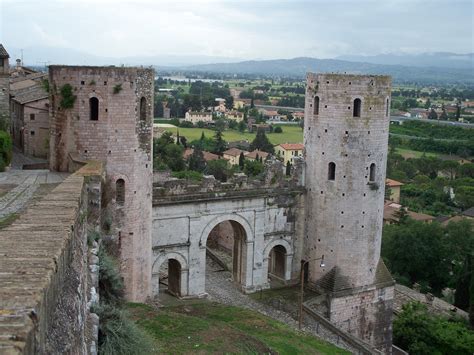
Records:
x=170, y=269
x=278, y=258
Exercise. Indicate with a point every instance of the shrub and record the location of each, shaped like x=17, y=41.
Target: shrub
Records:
x=117, y=88
x=110, y=281
x=278, y=130
x=68, y=98
x=5, y=150
x=187, y=174
x=118, y=334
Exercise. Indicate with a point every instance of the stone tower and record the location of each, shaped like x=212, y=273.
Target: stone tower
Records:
x=346, y=141
x=106, y=114
x=4, y=89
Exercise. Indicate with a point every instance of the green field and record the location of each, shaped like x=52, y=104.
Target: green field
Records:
x=212, y=328
x=408, y=153
x=291, y=134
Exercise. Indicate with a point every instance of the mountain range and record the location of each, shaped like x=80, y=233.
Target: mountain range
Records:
x=440, y=67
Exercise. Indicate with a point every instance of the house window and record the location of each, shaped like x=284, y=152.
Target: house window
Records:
x=120, y=191
x=94, y=108
x=357, y=106
x=316, y=105
x=332, y=171
x=142, y=109
x=372, y=173
x=32, y=133
x=32, y=116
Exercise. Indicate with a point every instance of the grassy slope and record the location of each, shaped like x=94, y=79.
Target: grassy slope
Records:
x=206, y=327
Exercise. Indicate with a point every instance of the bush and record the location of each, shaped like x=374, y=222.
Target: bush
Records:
x=278, y=130
x=188, y=175
x=68, y=99
x=5, y=150
x=110, y=280
x=120, y=335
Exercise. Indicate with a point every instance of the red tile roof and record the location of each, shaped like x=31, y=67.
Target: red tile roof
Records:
x=292, y=146
x=253, y=155
x=233, y=152
x=392, y=183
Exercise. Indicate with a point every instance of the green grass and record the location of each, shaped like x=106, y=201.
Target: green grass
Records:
x=408, y=153
x=207, y=327
x=291, y=134
x=7, y=220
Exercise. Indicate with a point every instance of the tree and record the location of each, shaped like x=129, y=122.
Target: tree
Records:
x=277, y=130
x=458, y=110
x=288, y=168
x=252, y=105
x=242, y=126
x=261, y=142
x=428, y=104
x=220, y=169
x=418, y=332
x=450, y=167
x=432, y=115
x=253, y=167
x=241, y=160
x=177, y=137
x=196, y=160
x=173, y=157
x=220, y=145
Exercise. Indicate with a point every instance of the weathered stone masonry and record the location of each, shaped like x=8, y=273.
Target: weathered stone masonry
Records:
x=45, y=285
x=346, y=139
x=4, y=87
x=111, y=121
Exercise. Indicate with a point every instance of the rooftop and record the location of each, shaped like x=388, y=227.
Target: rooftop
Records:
x=234, y=152
x=30, y=94
x=292, y=146
x=392, y=183
x=3, y=52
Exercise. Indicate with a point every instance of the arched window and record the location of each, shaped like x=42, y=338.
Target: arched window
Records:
x=331, y=171
x=387, y=107
x=143, y=109
x=316, y=105
x=372, y=173
x=94, y=108
x=120, y=191
x=357, y=105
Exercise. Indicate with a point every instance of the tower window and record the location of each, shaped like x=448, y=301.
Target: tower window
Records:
x=142, y=109
x=357, y=106
x=94, y=108
x=387, y=107
x=372, y=173
x=332, y=171
x=120, y=191
x=32, y=116
x=316, y=105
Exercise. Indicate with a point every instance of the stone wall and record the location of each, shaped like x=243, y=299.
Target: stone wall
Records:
x=44, y=284
x=4, y=92
x=36, y=132
x=121, y=137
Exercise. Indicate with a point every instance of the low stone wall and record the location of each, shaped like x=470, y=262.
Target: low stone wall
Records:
x=44, y=277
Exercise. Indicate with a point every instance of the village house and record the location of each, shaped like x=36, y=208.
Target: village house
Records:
x=256, y=154
x=235, y=116
x=394, y=187
x=207, y=155
x=391, y=214
x=195, y=117
x=287, y=151
x=232, y=155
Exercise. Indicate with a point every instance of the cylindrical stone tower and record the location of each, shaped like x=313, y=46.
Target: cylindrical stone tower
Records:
x=346, y=139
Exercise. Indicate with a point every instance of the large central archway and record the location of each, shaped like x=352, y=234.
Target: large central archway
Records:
x=226, y=248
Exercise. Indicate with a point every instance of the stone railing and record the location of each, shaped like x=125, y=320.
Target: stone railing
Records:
x=45, y=291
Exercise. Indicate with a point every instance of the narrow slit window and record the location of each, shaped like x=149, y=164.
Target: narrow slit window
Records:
x=332, y=171
x=120, y=191
x=94, y=108
x=387, y=107
x=372, y=173
x=357, y=106
x=142, y=109
x=316, y=105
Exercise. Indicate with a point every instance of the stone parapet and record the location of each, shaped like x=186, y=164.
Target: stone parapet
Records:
x=44, y=272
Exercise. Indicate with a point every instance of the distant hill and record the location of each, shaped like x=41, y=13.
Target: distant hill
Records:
x=298, y=67
x=437, y=59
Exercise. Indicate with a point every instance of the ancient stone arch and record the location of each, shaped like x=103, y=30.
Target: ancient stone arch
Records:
x=184, y=271
x=288, y=256
x=233, y=217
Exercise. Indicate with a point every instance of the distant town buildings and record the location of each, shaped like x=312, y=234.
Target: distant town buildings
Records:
x=195, y=117
x=287, y=151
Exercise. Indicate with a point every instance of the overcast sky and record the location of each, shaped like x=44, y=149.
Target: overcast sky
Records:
x=259, y=29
